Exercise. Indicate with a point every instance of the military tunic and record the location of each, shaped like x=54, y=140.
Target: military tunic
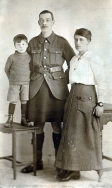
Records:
x=48, y=86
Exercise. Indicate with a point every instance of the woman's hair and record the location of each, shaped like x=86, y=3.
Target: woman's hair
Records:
x=83, y=32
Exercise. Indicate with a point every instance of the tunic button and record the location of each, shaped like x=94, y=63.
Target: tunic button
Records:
x=44, y=74
x=60, y=76
x=44, y=57
x=45, y=49
x=90, y=98
x=45, y=40
x=45, y=66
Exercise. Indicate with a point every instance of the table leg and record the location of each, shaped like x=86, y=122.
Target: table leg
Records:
x=100, y=173
x=101, y=143
x=34, y=152
x=14, y=153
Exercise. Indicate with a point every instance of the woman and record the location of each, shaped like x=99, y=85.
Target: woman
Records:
x=80, y=147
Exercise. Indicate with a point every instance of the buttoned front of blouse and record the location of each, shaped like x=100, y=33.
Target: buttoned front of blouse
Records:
x=89, y=70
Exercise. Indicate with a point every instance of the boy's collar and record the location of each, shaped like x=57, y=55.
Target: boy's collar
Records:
x=17, y=53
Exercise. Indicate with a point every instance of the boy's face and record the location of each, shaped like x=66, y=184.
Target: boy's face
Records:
x=21, y=46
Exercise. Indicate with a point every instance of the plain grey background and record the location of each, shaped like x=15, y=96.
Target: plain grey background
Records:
x=21, y=16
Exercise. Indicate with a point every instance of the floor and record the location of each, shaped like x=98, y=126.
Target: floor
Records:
x=46, y=178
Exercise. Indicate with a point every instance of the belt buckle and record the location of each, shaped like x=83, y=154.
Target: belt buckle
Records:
x=51, y=69
x=45, y=69
x=55, y=69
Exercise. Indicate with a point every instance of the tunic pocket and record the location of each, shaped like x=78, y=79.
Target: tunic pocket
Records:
x=36, y=55
x=55, y=56
x=35, y=76
x=58, y=75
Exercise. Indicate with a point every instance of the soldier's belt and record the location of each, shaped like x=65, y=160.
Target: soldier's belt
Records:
x=48, y=69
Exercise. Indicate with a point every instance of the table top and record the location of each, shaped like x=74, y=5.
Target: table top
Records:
x=107, y=116
x=16, y=127
x=107, y=107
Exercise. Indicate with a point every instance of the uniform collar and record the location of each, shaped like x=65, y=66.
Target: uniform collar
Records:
x=49, y=39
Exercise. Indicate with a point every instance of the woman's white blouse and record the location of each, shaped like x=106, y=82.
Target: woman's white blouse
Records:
x=89, y=70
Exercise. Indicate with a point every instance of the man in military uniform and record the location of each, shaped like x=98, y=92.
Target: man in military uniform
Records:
x=48, y=86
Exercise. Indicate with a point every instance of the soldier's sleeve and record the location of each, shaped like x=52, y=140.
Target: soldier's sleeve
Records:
x=29, y=52
x=68, y=54
x=29, y=48
x=68, y=51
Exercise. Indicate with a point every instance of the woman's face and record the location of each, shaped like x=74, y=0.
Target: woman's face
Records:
x=81, y=43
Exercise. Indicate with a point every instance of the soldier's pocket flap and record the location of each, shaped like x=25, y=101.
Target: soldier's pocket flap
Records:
x=58, y=75
x=36, y=51
x=34, y=76
x=54, y=50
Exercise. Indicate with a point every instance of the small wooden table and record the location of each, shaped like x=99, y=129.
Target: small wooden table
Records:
x=14, y=130
x=107, y=116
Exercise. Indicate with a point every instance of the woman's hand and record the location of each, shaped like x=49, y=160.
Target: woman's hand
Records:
x=98, y=111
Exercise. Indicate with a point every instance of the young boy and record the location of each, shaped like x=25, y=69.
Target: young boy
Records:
x=18, y=72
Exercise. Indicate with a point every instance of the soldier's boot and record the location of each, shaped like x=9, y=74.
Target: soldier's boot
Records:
x=56, y=141
x=39, y=165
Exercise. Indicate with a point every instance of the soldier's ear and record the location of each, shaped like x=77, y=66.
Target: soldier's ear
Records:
x=38, y=22
x=53, y=22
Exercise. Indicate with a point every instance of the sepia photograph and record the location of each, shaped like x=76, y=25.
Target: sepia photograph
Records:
x=56, y=94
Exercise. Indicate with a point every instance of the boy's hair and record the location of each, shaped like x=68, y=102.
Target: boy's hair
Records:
x=19, y=38
x=84, y=32
x=47, y=11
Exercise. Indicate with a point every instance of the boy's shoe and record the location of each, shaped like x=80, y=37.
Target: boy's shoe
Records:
x=24, y=121
x=9, y=122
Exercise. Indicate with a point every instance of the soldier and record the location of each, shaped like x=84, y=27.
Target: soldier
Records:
x=48, y=86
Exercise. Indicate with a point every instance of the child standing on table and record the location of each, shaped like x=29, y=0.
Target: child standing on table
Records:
x=18, y=72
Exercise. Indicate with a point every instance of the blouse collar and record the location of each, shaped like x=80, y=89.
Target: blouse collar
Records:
x=86, y=54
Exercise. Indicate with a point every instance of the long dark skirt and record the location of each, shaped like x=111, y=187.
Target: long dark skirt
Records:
x=80, y=147
x=44, y=107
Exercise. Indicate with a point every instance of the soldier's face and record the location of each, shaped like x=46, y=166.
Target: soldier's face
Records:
x=46, y=22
